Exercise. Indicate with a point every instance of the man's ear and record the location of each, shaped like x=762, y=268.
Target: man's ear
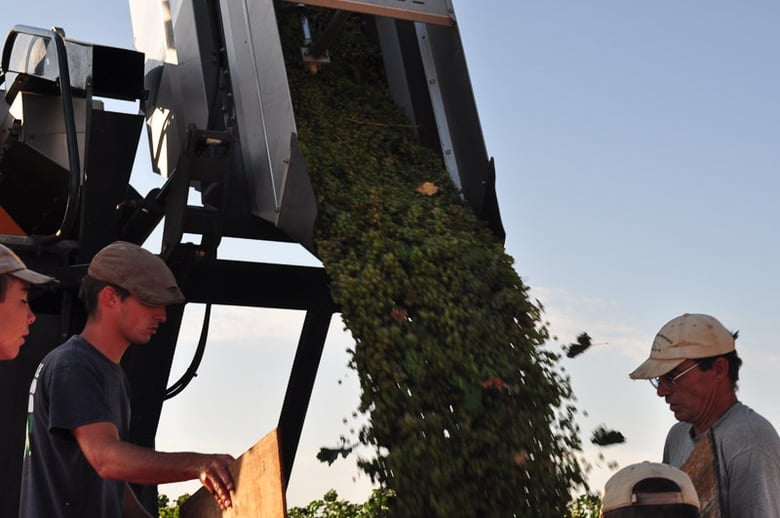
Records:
x=108, y=297
x=721, y=367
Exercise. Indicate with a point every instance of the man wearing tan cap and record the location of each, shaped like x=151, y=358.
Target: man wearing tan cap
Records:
x=694, y=366
x=16, y=317
x=649, y=490
x=78, y=461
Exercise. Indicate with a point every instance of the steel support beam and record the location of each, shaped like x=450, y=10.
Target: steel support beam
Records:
x=301, y=384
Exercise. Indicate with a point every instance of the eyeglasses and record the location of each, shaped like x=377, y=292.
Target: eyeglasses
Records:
x=668, y=381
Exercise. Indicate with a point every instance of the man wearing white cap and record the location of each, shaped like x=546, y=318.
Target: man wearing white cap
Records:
x=78, y=461
x=649, y=490
x=694, y=366
x=16, y=317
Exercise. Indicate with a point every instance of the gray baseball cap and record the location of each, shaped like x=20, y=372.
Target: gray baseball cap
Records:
x=137, y=270
x=11, y=264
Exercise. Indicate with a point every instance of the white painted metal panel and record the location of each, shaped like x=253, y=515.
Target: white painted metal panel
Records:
x=262, y=98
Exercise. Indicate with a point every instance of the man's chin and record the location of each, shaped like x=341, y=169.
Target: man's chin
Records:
x=9, y=353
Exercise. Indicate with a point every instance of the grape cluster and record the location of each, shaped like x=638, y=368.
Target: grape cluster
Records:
x=469, y=413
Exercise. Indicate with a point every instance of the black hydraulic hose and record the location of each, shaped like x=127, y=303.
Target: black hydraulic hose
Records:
x=76, y=178
x=192, y=370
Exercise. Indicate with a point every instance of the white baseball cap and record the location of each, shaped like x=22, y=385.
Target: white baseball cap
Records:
x=619, y=491
x=688, y=336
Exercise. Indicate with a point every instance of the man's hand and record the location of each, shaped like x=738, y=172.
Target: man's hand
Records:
x=114, y=459
x=216, y=477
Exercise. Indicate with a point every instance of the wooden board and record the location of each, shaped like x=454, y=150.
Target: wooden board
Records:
x=259, y=489
x=702, y=466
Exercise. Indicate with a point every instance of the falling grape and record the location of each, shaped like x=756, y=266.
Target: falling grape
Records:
x=468, y=414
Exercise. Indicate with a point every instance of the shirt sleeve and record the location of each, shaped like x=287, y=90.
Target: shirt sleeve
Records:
x=76, y=397
x=754, y=485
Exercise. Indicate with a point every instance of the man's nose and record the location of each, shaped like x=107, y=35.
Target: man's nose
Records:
x=30, y=317
x=663, y=390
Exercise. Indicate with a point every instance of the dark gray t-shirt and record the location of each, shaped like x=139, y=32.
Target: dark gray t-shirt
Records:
x=74, y=385
x=748, y=457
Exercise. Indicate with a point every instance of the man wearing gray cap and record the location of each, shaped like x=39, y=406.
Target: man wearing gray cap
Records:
x=78, y=461
x=694, y=366
x=16, y=317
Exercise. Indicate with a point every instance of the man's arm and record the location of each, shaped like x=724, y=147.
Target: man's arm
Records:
x=114, y=459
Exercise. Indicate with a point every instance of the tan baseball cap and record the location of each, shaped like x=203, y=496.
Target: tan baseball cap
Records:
x=688, y=336
x=619, y=491
x=137, y=270
x=11, y=264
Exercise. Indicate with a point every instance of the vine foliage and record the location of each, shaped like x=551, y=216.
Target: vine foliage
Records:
x=469, y=414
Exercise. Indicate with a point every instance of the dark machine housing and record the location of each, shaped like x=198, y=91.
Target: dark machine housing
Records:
x=210, y=82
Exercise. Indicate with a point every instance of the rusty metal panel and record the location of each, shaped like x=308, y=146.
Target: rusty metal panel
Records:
x=437, y=12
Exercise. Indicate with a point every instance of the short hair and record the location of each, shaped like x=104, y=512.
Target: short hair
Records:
x=91, y=287
x=734, y=361
x=5, y=280
x=655, y=485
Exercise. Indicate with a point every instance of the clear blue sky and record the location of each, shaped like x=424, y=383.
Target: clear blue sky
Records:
x=637, y=157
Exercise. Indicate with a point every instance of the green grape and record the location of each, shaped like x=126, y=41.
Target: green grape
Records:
x=448, y=347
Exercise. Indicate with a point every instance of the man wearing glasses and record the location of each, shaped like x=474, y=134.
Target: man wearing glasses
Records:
x=694, y=366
